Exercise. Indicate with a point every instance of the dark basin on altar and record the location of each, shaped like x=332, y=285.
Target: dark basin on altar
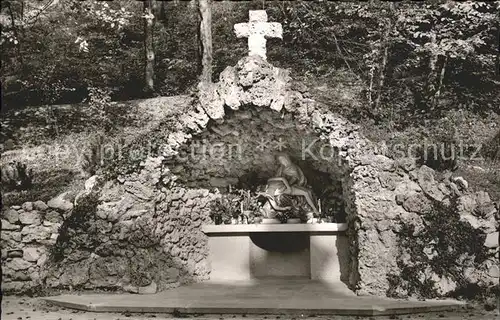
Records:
x=281, y=241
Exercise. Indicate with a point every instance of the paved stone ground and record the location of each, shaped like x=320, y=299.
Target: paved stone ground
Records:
x=264, y=296
x=22, y=308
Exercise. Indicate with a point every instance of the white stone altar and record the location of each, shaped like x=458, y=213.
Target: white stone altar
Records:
x=250, y=251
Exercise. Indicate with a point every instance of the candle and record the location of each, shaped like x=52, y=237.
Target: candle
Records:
x=319, y=206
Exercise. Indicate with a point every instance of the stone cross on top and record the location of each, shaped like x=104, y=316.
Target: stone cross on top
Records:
x=258, y=30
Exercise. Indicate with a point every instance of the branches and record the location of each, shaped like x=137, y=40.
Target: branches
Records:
x=41, y=10
x=340, y=52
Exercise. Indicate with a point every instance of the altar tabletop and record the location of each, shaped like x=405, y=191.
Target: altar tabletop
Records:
x=284, y=227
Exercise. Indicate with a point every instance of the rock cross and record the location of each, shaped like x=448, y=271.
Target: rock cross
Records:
x=257, y=30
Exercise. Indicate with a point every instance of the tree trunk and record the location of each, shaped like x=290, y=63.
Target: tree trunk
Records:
x=148, y=46
x=383, y=65
x=431, y=81
x=382, y=76
x=440, y=83
x=370, y=87
x=162, y=11
x=391, y=22
x=498, y=51
x=16, y=33
x=206, y=40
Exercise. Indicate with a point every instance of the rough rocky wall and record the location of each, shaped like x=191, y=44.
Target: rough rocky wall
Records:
x=140, y=238
x=29, y=232
x=419, y=236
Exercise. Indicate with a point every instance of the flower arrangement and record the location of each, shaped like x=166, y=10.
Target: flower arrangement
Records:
x=239, y=206
x=248, y=201
x=224, y=208
x=299, y=208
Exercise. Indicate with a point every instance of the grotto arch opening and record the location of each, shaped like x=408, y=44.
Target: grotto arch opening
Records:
x=238, y=152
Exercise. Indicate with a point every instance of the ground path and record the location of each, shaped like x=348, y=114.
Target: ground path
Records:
x=22, y=308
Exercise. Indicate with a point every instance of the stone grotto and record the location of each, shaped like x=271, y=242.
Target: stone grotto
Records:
x=142, y=232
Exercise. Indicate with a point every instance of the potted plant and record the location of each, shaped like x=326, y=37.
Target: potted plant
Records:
x=248, y=205
x=224, y=209
x=232, y=207
x=217, y=209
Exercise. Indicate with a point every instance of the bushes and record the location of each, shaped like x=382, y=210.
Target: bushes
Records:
x=491, y=149
x=132, y=153
x=82, y=219
x=317, y=39
x=486, y=177
x=46, y=185
x=440, y=249
x=43, y=125
x=99, y=107
x=101, y=153
x=16, y=176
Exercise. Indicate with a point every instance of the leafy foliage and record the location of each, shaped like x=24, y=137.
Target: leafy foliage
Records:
x=248, y=200
x=82, y=219
x=16, y=176
x=99, y=107
x=129, y=155
x=46, y=185
x=414, y=59
x=492, y=148
x=441, y=248
x=230, y=205
x=101, y=153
